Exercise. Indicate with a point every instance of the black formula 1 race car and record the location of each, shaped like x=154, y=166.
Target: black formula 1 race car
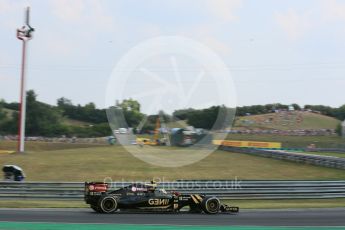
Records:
x=148, y=197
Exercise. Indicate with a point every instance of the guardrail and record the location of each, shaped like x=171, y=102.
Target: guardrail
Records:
x=331, y=150
x=222, y=188
x=314, y=159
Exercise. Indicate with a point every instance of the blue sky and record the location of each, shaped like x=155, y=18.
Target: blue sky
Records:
x=277, y=51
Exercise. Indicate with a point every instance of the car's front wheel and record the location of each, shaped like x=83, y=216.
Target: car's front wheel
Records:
x=210, y=205
x=108, y=204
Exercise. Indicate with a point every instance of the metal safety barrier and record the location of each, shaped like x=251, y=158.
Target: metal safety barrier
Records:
x=225, y=189
x=313, y=159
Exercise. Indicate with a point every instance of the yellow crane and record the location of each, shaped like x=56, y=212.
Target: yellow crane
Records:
x=155, y=140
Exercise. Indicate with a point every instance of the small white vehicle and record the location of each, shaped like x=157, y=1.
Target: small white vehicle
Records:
x=122, y=130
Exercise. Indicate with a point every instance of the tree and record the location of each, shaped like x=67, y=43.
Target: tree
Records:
x=4, y=126
x=182, y=114
x=10, y=126
x=130, y=104
x=131, y=112
x=340, y=113
x=260, y=109
x=42, y=119
x=339, y=130
x=87, y=113
x=205, y=118
x=64, y=102
x=3, y=114
x=296, y=107
x=325, y=110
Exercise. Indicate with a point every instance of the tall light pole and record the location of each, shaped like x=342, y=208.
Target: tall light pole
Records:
x=24, y=34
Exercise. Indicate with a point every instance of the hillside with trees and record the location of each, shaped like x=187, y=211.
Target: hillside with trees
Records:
x=68, y=119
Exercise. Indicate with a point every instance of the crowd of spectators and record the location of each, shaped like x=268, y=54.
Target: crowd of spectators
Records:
x=292, y=132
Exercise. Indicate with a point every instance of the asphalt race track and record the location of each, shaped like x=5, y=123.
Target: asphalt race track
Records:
x=292, y=217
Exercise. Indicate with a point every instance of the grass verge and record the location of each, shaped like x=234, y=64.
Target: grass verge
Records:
x=96, y=163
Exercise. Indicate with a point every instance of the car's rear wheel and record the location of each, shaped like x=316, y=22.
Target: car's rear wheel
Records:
x=210, y=205
x=108, y=204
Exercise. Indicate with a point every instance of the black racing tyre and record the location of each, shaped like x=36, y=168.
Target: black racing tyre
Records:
x=210, y=205
x=108, y=204
x=96, y=208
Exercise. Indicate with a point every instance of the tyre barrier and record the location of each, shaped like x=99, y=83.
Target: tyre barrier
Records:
x=313, y=159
